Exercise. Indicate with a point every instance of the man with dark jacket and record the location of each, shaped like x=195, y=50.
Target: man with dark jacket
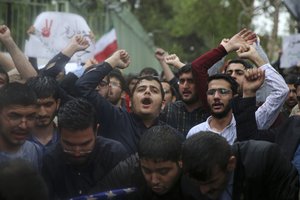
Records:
x=156, y=171
x=246, y=170
x=80, y=160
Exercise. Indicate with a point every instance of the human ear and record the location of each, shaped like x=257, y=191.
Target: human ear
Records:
x=231, y=163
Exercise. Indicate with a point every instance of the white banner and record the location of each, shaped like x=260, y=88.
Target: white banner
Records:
x=290, y=51
x=53, y=30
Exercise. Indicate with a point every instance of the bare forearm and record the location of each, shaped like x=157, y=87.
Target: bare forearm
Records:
x=168, y=72
x=6, y=62
x=22, y=64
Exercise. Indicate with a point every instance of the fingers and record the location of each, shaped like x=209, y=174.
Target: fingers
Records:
x=160, y=51
x=3, y=29
x=171, y=58
x=254, y=74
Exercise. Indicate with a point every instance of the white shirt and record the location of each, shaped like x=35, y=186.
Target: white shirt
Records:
x=267, y=113
x=229, y=132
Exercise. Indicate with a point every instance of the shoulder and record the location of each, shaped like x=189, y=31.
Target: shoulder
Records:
x=196, y=129
x=109, y=146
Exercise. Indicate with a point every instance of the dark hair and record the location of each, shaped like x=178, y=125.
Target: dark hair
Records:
x=20, y=181
x=161, y=143
x=246, y=64
x=117, y=74
x=233, y=84
x=2, y=71
x=204, y=151
x=149, y=78
x=44, y=86
x=297, y=83
x=185, y=69
x=173, y=91
x=148, y=71
x=17, y=94
x=77, y=114
x=291, y=79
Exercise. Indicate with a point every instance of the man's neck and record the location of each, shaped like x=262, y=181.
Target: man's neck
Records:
x=219, y=124
x=44, y=134
x=193, y=106
x=149, y=121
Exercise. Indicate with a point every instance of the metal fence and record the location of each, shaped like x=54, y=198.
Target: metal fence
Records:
x=19, y=15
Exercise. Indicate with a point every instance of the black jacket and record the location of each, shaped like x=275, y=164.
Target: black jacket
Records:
x=64, y=180
x=128, y=174
x=263, y=172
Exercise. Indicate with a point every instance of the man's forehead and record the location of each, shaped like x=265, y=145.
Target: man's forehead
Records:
x=20, y=108
x=145, y=82
x=234, y=66
x=186, y=75
x=219, y=82
x=46, y=100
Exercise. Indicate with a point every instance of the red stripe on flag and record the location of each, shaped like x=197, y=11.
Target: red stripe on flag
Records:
x=107, y=51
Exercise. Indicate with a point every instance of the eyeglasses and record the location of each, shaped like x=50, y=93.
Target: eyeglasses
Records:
x=221, y=91
x=81, y=152
x=114, y=84
x=103, y=83
x=16, y=118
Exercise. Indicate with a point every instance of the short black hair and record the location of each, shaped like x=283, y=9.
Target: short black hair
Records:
x=44, y=86
x=185, y=69
x=291, y=79
x=149, y=78
x=148, y=71
x=233, y=84
x=77, y=114
x=161, y=143
x=17, y=94
x=20, y=181
x=245, y=63
x=204, y=151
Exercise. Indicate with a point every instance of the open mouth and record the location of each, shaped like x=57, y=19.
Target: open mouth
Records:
x=146, y=101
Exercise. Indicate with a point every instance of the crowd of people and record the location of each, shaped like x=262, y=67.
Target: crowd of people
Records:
x=213, y=128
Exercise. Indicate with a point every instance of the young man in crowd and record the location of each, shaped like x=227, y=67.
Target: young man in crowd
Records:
x=18, y=109
x=45, y=133
x=118, y=124
x=156, y=170
x=81, y=159
x=240, y=171
x=117, y=88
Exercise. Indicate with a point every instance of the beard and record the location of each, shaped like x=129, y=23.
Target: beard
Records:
x=224, y=113
x=192, y=100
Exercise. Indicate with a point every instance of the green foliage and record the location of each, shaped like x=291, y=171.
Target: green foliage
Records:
x=190, y=27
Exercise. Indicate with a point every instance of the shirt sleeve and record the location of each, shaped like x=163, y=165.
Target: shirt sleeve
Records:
x=267, y=113
x=200, y=68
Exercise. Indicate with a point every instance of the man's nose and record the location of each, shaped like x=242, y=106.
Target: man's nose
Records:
x=154, y=179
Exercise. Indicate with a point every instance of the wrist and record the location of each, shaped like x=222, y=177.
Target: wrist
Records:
x=249, y=93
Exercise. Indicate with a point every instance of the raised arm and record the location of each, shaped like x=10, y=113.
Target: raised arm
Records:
x=267, y=113
x=58, y=62
x=204, y=62
x=87, y=84
x=22, y=64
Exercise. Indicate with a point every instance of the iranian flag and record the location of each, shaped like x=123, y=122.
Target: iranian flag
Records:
x=106, y=45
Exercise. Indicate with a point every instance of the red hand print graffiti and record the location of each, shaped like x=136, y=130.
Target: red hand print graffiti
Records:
x=46, y=29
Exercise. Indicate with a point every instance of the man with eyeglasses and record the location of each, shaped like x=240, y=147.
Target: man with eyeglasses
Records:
x=117, y=88
x=78, y=163
x=222, y=88
x=18, y=108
